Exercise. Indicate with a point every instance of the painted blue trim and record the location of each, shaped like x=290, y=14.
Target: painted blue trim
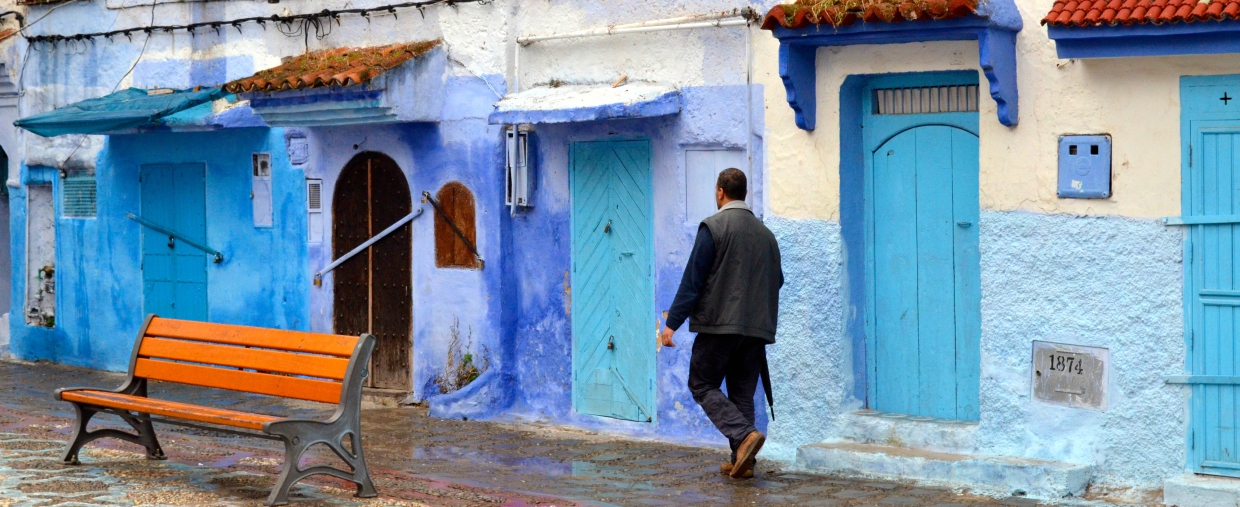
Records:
x=1203, y=38
x=663, y=105
x=996, y=38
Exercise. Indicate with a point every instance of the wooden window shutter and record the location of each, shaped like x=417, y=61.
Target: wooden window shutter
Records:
x=457, y=203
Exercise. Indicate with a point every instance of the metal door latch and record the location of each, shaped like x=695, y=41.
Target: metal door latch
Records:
x=611, y=343
x=172, y=242
x=607, y=230
x=964, y=224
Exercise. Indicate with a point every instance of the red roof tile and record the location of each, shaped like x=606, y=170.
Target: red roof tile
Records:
x=803, y=13
x=1139, y=12
x=332, y=67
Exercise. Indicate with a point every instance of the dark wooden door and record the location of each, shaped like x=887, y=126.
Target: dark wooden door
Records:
x=373, y=291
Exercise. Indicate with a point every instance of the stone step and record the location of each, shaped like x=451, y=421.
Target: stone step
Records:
x=991, y=475
x=1201, y=491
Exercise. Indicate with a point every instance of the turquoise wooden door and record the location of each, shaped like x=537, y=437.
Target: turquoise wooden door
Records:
x=612, y=280
x=1210, y=205
x=174, y=274
x=924, y=323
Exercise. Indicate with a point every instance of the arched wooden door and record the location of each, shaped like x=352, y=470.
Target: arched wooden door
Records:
x=373, y=290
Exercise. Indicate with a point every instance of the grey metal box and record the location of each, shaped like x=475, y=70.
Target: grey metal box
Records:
x=1071, y=375
x=1085, y=167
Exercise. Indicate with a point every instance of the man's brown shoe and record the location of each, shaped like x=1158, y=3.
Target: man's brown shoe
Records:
x=746, y=454
x=726, y=469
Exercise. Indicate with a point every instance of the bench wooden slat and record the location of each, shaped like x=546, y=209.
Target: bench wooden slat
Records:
x=236, y=380
x=292, y=341
x=238, y=357
x=169, y=409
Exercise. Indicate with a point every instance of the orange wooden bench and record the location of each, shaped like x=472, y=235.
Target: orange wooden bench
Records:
x=289, y=364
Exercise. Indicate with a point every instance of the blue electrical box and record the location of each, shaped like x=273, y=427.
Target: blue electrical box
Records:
x=1085, y=167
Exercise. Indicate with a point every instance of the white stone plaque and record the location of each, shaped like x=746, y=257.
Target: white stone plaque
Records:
x=1071, y=375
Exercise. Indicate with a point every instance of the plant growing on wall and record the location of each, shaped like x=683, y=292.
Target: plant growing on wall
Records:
x=462, y=368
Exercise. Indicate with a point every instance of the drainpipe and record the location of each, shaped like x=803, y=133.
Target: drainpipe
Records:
x=738, y=17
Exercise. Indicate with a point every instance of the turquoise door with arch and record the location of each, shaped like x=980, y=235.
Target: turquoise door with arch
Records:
x=1210, y=208
x=613, y=279
x=174, y=274
x=923, y=265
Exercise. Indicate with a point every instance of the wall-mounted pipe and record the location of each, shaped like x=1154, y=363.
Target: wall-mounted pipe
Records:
x=738, y=17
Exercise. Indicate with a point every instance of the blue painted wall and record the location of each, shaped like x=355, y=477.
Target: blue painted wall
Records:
x=262, y=281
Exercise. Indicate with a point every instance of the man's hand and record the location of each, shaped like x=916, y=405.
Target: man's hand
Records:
x=665, y=337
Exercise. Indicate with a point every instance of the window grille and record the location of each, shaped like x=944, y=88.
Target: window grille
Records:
x=79, y=197
x=926, y=100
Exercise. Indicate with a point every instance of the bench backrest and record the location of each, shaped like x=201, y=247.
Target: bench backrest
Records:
x=289, y=364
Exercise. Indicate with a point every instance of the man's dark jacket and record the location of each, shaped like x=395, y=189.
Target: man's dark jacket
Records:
x=741, y=293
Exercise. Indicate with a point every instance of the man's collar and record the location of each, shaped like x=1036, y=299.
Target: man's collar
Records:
x=739, y=204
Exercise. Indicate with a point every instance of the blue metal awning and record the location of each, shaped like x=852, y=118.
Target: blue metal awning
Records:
x=577, y=103
x=126, y=109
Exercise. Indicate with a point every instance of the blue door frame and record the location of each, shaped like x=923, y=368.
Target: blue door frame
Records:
x=613, y=279
x=1210, y=203
x=920, y=212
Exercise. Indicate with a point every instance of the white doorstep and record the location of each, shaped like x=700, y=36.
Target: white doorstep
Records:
x=992, y=475
x=1201, y=491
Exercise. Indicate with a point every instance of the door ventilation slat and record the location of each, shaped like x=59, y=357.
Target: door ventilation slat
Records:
x=926, y=100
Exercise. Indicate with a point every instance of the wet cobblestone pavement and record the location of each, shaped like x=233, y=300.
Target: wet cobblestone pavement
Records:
x=415, y=460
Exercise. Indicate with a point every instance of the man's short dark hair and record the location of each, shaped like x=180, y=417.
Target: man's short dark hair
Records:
x=733, y=183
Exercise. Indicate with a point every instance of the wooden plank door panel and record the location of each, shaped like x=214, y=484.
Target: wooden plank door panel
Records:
x=613, y=295
x=895, y=258
x=926, y=273
x=174, y=273
x=1216, y=295
x=392, y=279
x=372, y=292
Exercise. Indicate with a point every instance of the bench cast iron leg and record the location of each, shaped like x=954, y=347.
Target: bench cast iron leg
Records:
x=310, y=433
x=81, y=436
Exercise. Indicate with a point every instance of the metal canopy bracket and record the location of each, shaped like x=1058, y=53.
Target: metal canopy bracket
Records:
x=994, y=27
x=318, y=277
x=217, y=257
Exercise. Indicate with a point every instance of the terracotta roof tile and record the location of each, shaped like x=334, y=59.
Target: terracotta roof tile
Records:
x=1141, y=12
x=332, y=67
x=803, y=13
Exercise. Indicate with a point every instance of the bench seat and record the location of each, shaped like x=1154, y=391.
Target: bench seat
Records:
x=142, y=404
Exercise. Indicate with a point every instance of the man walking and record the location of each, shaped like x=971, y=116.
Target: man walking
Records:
x=730, y=294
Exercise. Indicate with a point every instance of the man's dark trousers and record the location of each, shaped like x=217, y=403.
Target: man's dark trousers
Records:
x=737, y=359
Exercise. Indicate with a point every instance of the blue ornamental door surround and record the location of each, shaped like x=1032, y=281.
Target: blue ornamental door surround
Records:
x=174, y=274
x=1210, y=205
x=923, y=324
x=613, y=311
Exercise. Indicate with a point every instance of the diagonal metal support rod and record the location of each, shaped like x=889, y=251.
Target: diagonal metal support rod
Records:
x=469, y=244
x=318, y=277
x=218, y=257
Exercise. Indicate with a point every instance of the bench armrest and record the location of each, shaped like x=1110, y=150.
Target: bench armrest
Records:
x=132, y=386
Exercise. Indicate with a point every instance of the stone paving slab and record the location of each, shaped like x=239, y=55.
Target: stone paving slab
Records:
x=416, y=460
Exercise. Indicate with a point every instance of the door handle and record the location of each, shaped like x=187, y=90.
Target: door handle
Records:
x=611, y=342
x=172, y=242
x=965, y=224
x=607, y=229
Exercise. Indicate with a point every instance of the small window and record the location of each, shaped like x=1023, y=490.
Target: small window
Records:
x=79, y=197
x=926, y=100
x=314, y=207
x=451, y=251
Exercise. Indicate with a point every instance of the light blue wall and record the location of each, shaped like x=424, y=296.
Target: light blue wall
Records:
x=262, y=280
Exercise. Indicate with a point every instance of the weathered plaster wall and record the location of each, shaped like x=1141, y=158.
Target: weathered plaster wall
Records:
x=462, y=148
x=541, y=245
x=99, y=277
x=1136, y=100
x=1105, y=282
x=1098, y=281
